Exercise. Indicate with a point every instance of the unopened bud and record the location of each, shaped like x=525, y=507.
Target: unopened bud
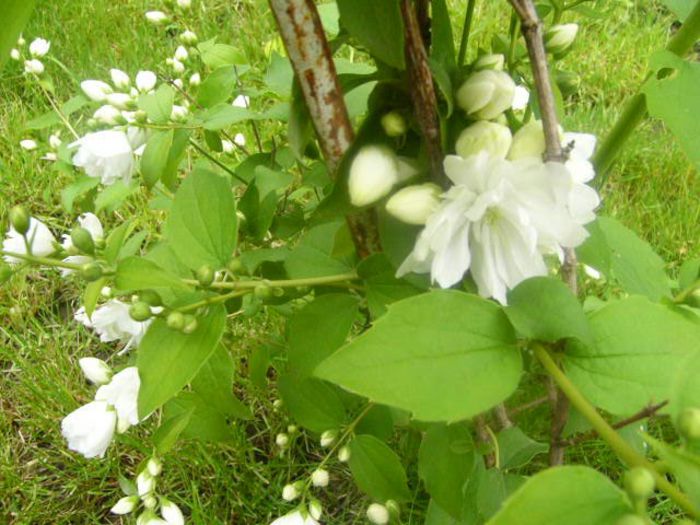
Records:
x=373, y=172
x=282, y=440
x=96, y=89
x=154, y=466
x=176, y=321
x=394, y=124
x=156, y=17
x=82, y=240
x=14, y=54
x=19, y=219
x=486, y=94
x=195, y=80
x=344, y=454
x=188, y=37
x=119, y=78
x=140, y=311
x=639, y=483
x=171, y=512
x=125, y=505
x=394, y=508
x=292, y=429
x=559, y=38
x=184, y=4
x=145, y=483
x=190, y=324
x=146, y=81
x=493, y=138
x=149, y=501
x=315, y=509
x=328, y=438
x=689, y=424
x=205, y=275
x=150, y=297
x=235, y=265
x=290, y=492
x=492, y=61
x=91, y=271
x=320, y=478
x=262, y=291
x=95, y=370
x=378, y=514
x=414, y=204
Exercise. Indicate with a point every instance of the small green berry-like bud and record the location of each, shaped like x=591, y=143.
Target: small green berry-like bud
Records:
x=394, y=124
x=19, y=218
x=235, y=265
x=91, y=271
x=205, y=275
x=190, y=324
x=689, y=424
x=262, y=291
x=150, y=297
x=140, y=311
x=639, y=483
x=5, y=273
x=393, y=507
x=82, y=240
x=176, y=321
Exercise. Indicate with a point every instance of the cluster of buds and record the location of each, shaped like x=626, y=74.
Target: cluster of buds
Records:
x=38, y=48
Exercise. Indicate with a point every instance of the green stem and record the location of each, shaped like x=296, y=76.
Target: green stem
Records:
x=635, y=109
x=624, y=451
x=213, y=300
x=683, y=295
x=465, y=32
x=57, y=110
x=217, y=161
x=46, y=261
x=285, y=283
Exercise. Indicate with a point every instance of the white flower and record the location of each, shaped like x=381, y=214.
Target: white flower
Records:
x=484, y=136
x=120, y=100
x=122, y=392
x=112, y=322
x=290, y=492
x=178, y=113
x=184, y=4
x=320, y=478
x=55, y=141
x=378, y=514
x=178, y=67
x=28, y=144
x=494, y=61
x=92, y=224
x=106, y=155
x=137, y=137
x=21, y=41
x=241, y=101
x=328, y=438
x=188, y=37
x=295, y=518
x=156, y=17
x=95, y=370
x=145, y=483
x=146, y=81
x=560, y=37
x=125, y=505
x=40, y=239
x=373, y=172
x=344, y=454
x=149, y=518
x=171, y=512
x=282, y=440
x=119, y=78
x=96, y=89
x=315, y=509
x=109, y=115
x=14, y=54
x=195, y=79
x=480, y=226
x=520, y=98
x=34, y=66
x=39, y=47
x=90, y=428
x=154, y=466
x=227, y=146
x=181, y=54
x=239, y=139
x=414, y=204
x=486, y=94
x=50, y=156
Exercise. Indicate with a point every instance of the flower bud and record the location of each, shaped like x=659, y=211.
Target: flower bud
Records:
x=177, y=66
x=150, y=501
x=486, y=94
x=394, y=124
x=91, y=271
x=282, y=440
x=39, y=47
x=154, y=466
x=55, y=141
x=140, y=311
x=120, y=100
x=290, y=492
x=393, y=507
x=150, y=297
x=146, y=81
x=277, y=404
x=190, y=324
x=559, y=38
x=176, y=321
x=528, y=141
x=96, y=90
x=492, y=61
x=34, y=66
x=120, y=79
x=235, y=265
x=262, y=291
x=195, y=79
x=328, y=438
x=171, y=512
x=378, y=514
x=178, y=113
x=181, y=54
x=28, y=144
x=414, y=204
x=5, y=272
x=239, y=139
x=344, y=454
x=109, y=115
x=156, y=17
x=188, y=38
x=145, y=483
x=95, y=370
x=21, y=41
x=125, y=505
x=486, y=136
x=689, y=424
x=520, y=98
x=292, y=429
x=14, y=54
x=639, y=483
x=315, y=509
x=205, y=275
x=320, y=478
x=184, y=4
x=373, y=172
x=82, y=240
x=19, y=219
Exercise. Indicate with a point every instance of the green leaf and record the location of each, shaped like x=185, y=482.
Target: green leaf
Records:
x=115, y=241
x=689, y=273
x=280, y=75
x=383, y=288
x=223, y=115
x=517, y=449
x=314, y=255
x=445, y=462
x=631, y=260
x=217, y=87
x=442, y=48
x=444, y=84
x=685, y=388
x=214, y=383
x=639, y=346
x=155, y=156
x=111, y=197
x=202, y=226
x=317, y=330
x=136, y=274
x=159, y=105
x=92, y=294
x=181, y=139
x=377, y=25
x=681, y=8
x=205, y=422
x=564, y=495
x=377, y=469
x=436, y=515
x=166, y=435
x=220, y=55
x=663, y=92
x=684, y=465
x=80, y=187
x=15, y=14
x=544, y=309
x=444, y=355
x=312, y=403
x=167, y=360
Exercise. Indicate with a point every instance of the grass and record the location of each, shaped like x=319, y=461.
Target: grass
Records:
x=653, y=189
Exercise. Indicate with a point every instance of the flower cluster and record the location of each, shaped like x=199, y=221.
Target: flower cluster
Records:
x=38, y=48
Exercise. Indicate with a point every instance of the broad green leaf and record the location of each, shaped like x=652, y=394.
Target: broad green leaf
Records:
x=329, y=17
x=167, y=433
x=377, y=469
x=167, y=360
x=517, y=449
x=223, y=115
x=436, y=515
x=155, y=156
x=442, y=48
x=685, y=388
x=377, y=25
x=214, y=383
x=92, y=294
x=205, y=422
x=681, y=8
x=632, y=261
x=220, y=55
x=638, y=348
x=544, y=309
x=202, y=227
x=443, y=355
x=80, y=187
x=111, y=197
x=445, y=462
x=314, y=255
x=159, y=105
x=299, y=130
x=312, y=403
x=689, y=273
x=217, y=87
x=663, y=96
x=280, y=75
x=564, y=495
x=317, y=330
x=683, y=464
x=383, y=288
x=115, y=241
x=493, y=487
x=181, y=139
x=378, y=421
x=15, y=14
x=444, y=84
x=136, y=274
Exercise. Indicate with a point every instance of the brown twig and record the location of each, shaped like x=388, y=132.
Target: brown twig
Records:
x=527, y=406
x=422, y=89
x=423, y=16
x=483, y=437
x=502, y=417
x=302, y=32
x=644, y=413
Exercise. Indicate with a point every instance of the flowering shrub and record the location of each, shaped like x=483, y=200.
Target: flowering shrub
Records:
x=423, y=270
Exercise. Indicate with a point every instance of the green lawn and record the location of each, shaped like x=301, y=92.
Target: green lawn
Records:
x=653, y=189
